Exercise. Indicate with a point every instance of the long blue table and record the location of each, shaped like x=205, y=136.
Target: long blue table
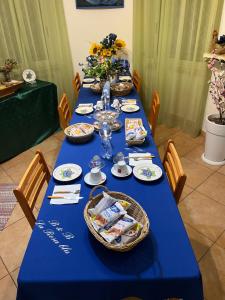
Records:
x=161, y=266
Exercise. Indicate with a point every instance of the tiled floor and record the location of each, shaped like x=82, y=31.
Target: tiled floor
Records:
x=202, y=207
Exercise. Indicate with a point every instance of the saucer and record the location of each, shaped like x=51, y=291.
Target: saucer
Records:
x=87, y=179
x=115, y=173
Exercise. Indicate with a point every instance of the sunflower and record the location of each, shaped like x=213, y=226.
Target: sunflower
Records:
x=94, y=49
x=119, y=43
x=106, y=52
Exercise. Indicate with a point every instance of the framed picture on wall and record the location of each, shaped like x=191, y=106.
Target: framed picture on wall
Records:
x=93, y=4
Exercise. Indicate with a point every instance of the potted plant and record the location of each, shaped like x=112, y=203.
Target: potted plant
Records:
x=215, y=123
x=7, y=68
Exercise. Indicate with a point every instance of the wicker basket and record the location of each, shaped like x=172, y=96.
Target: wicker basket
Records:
x=97, y=87
x=121, y=89
x=79, y=138
x=135, y=210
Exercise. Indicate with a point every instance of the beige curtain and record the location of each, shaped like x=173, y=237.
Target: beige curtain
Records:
x=170, y=37
x=34, y=33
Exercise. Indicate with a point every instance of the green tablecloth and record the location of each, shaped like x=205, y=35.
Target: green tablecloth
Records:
x=27, y=118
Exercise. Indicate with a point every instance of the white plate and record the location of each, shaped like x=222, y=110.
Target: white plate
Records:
x=147, y=172
x=29, y=75
x=124, y=78
x=115, y=173
x=84, y=110
x=67, y=172
x=88, y=180
x=88, y=80
x=130, y=108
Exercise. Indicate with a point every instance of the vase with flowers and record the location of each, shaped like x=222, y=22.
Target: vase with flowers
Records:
x=106, y=59
x=7, y=68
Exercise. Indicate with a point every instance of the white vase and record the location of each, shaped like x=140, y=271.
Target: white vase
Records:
x=214, y=143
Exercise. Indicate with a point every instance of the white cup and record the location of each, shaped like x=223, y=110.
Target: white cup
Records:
x=121, y=167
x=95, y=175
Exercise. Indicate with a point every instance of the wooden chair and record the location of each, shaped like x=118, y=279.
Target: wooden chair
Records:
x=154, y=111
x=64, y=112
x=76, y=84
x=136, y=80
x=30, y=186
x=174, y=170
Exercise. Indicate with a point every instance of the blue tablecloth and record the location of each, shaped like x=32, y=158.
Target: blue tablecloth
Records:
x=161, y=266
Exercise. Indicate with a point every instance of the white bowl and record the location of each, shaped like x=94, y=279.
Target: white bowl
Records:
x=79, y=132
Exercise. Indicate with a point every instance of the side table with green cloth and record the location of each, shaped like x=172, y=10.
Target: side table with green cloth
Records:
x=27, y=118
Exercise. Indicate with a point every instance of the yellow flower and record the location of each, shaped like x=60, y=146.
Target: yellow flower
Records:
x=120, y=43
x=94, y=49
x=106, y=52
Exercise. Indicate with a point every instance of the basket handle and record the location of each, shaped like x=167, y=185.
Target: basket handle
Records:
x=95, y=188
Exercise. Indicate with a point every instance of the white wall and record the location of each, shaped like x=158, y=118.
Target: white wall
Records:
x=210, y=107
x=87, y=26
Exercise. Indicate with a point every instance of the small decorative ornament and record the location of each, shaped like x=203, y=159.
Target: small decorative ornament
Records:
x=29, y=76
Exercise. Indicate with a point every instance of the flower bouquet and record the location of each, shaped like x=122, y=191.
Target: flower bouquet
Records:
x=106, y=59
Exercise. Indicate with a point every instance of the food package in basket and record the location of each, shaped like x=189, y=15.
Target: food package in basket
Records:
x=110, y=219
x=135, y=131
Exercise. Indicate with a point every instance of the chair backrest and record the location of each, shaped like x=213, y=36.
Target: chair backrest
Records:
x=154, y=111
x=30, y=186
x=64, y=112
x=174, y=170
x=76, y=84
x=136, y=80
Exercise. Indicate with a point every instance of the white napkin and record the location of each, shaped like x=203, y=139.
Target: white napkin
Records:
x=87, y=85
x=67, y=198
x=134, y=163
x=85, y=105
x=73, y=200
x=129, y=101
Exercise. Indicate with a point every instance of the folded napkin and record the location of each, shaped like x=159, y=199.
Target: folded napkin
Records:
x=85, y=105
x=72, y=200
x=125, y=77
x=87, y=85
x=129, y=101
x=133, y=162
x=71, y=195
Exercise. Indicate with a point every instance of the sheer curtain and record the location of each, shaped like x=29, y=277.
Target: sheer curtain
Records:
x=35, y=34
x=170, y=37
